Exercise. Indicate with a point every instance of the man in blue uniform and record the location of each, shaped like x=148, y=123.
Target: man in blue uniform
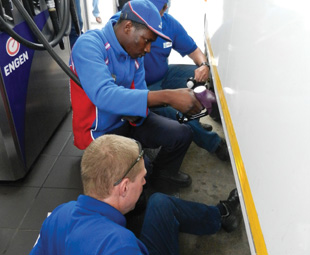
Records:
x=159, y=75
x=113, y=172
x=114, y=98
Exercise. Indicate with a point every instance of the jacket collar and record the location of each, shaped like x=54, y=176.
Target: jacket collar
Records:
x=111, y=37
x=91, y=204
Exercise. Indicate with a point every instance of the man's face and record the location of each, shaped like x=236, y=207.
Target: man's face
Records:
x=136, y=188
x=139, y=42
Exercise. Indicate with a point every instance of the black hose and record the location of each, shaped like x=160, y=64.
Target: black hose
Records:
x=31, y=6
x=28, y=8
x=8, y=8
x=6, y=28
x=75, y=17
x=44, y=41
x=54, y=17
x=1, y=10
x=35, y=46
x=60, y=6
x=57, y=5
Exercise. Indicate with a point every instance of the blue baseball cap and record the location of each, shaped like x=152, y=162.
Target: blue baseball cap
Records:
x=159, y=3
x=144, y=12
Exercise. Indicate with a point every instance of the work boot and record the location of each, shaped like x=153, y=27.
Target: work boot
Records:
x=232, y=217
x=180, y=179
x=206, y=126
x=222, y=151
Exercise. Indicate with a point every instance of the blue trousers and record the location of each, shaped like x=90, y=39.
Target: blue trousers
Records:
x=73, y=36
x=157, y=131
x=166, y=216
x=176, y=78
x=96, y=11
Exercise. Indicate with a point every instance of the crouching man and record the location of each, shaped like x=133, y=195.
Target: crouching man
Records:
x=113, y=175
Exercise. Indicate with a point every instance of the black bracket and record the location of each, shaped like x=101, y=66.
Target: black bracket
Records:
x=182, y=118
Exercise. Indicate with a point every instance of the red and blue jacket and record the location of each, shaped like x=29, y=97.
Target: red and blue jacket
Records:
x=113, y=85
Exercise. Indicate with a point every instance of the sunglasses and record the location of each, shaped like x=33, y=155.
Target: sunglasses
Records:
x=141, y=152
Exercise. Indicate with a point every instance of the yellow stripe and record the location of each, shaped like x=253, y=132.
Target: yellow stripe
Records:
x=257, y=234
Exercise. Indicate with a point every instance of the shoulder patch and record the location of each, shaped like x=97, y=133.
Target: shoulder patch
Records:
x=107, y=46
x=167, y=45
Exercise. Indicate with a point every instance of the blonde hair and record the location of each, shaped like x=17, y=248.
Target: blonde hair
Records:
x=105, y=161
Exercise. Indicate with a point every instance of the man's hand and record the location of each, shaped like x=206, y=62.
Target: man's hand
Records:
x=183, y=100
x=202, y=73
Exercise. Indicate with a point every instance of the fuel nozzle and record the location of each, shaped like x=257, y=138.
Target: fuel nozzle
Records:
x=206, y=98
x=192, y=83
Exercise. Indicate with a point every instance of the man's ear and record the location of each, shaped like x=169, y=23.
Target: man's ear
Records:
x=162, y=11
x=128, y=26
x=123, y=187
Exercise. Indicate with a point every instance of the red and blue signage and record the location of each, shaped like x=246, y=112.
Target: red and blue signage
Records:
x=15, y=63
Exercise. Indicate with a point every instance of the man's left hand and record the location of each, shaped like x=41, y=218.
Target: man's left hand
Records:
x=202, y=73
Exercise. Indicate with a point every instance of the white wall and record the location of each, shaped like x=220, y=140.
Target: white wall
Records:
x=261, y=52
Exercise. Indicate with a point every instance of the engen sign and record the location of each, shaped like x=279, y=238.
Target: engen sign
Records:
x=15, y=67
x=12, y=48
x=16, y=63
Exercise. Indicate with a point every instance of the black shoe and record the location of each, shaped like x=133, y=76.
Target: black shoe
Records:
x=222, y=151
x=232, y=218
x=180, y=179
x=206, y=126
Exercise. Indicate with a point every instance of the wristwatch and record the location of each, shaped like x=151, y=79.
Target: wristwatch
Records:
x=205, y=64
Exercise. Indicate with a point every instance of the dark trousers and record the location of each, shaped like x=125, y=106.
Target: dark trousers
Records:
x=157, y=131
x=166, y=216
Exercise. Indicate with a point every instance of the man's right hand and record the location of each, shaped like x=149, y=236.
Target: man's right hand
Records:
x=183, y=100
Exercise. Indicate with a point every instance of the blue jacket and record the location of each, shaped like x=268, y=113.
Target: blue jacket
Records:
x=113, y=85
x=87, y=226
x=156, y=62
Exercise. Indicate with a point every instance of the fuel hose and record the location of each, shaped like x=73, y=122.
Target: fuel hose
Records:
x=41, y=38
x=36, y=46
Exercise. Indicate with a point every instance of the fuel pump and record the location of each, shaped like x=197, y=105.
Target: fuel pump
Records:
x=34, y=95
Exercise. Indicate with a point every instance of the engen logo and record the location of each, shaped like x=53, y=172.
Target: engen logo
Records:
x=12, y=47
